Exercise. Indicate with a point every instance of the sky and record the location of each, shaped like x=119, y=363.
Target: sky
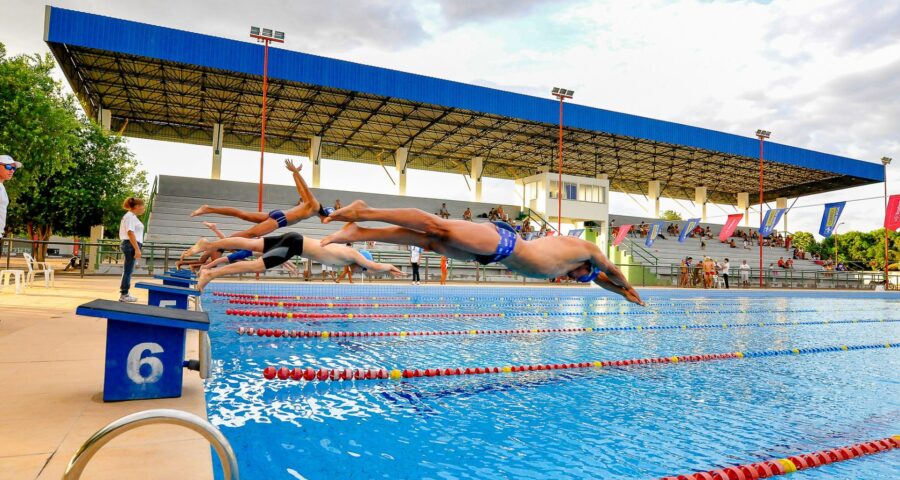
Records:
x=823, y=75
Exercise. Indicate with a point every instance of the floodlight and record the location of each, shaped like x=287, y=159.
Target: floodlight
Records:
x=763, y=133
x=886, y=161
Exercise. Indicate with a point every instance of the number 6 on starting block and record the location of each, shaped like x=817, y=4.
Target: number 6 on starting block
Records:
x=144, y=348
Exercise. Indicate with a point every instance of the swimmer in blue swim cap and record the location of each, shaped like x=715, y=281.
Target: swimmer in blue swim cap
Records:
x=546, y=257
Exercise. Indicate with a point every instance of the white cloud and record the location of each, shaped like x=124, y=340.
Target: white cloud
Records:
x=820, y=75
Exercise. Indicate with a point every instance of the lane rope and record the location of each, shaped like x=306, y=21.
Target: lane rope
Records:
x=306, y=315
x=289, y=334
x=332, y=374
x=794, y=463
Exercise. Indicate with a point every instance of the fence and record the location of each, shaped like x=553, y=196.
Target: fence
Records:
x=158, y=257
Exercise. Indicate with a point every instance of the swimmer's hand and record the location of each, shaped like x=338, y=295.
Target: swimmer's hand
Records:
x=290, y=166
x=396, y=272
x=632, y=296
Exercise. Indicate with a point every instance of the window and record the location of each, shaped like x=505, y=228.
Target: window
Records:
x=591, y=193
x=571, y=191
x=531, y=191
x=554, y=189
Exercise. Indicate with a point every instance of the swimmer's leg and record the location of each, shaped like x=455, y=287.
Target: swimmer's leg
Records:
x=395, y=235
x=208, y=275
x=214, y=228
x=235, y=243
x=260, y=229
x=254, y=217
x=477, y=238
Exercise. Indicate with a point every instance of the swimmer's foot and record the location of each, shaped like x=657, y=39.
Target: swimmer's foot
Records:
x=203, y=278
x=200, y=211
x=210, y=225
x=348, y=234
x=198, y=247
x=350, y=213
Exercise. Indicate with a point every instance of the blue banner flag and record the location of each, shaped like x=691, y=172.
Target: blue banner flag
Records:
x=830, y=218
x=689, y=226
x=655, y=228
x=770, y=221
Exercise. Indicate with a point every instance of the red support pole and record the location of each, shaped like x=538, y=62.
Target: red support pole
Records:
x=758, y=236
x=886, y=249
x=262, y=142
x=559, y=185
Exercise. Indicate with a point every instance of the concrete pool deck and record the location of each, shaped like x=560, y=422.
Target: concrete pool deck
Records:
x=51, y=370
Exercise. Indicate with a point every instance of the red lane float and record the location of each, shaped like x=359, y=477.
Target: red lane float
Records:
x=273, y=303
x=300, y=297
x=278, y=333
x=306, y=315
x=332, y=374
x=783, y=466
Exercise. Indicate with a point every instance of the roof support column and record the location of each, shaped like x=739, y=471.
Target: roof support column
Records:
x=700, y=200
x=653, y=193
x=104, y=118
x=315, y=149
x=218, y=136
x=743, y=204
x=475, y=174
x=400, y=157
x=781, y=202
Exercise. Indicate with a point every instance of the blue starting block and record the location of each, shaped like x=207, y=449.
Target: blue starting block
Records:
x=175, y=281
x=169, y=296
x=145, y=348
x=181, y=273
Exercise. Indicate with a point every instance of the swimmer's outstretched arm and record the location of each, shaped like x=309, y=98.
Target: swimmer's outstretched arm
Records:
x=302, y=189
x=612, y=278
x=215, y=263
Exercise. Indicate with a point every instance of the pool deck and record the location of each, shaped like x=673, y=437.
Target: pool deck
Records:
x=51, y=369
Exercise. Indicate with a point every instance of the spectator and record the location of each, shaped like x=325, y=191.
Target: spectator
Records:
x=328, y=270
x=709, y=270
x=745, y=274
x=697, y=275
x=443, y=270
x=467, y=215
x=337, y=204
x=725, y=267
x=131, y=236
x=501, y=214
x=732, y=244
x=685, y=274
x=492, y=215
x=746, y=243
x=414, y=254
x=8, y=168
x=642, y=229
x=348, y=271
x=443, y=212
x=702, y=244
x=781, y=263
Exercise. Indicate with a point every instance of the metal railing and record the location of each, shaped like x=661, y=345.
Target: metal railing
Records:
x=641, y=275
x=150, y=417
x=640, y=252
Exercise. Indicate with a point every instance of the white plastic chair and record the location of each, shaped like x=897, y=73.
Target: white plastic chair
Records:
x=7, y=277
x=35, y=267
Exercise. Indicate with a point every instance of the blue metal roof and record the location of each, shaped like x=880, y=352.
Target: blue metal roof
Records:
x=139, y=39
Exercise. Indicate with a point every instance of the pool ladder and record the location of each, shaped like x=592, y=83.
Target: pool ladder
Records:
x=148, y=417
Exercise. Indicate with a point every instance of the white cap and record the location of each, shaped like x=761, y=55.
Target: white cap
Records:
x=7, y=160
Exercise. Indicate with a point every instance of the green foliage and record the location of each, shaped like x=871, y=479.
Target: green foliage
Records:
x=74, y=175
x=863, y=247
x=803, y=240
x=671, y=215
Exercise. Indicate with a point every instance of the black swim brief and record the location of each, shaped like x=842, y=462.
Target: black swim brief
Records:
x=281, y=248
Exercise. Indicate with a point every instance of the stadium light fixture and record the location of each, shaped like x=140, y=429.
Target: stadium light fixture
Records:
x=762, y=135
x=886, y=161
x=562, y=94
x=262, y=34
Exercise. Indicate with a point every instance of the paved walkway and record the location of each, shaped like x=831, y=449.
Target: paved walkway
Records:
x=51, y=372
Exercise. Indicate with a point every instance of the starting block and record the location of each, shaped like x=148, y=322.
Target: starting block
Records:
x=176, y=281
x=181, y=273
x=168, y=296
x=145, y=348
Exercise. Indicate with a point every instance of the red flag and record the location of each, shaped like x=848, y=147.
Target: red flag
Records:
x=730, y=225
x=623, y=230
x=892, y=216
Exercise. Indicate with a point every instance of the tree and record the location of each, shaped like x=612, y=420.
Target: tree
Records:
x=75, y=175
x=38, y=127
x=671, y=215
x=803, y=240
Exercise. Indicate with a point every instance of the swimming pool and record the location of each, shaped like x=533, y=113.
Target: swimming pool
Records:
x=610, y=422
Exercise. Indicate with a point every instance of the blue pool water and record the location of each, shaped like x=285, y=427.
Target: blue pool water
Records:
x=611, y=423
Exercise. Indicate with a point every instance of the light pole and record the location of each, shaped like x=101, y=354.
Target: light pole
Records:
x=561, y=94
x=762, y=135
x=264, y=36
x=886, y=161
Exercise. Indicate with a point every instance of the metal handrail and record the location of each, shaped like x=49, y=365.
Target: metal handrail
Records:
x=149, y=417
x=543, y=220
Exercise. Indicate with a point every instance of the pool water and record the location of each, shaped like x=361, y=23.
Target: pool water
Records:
x=640, y=421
